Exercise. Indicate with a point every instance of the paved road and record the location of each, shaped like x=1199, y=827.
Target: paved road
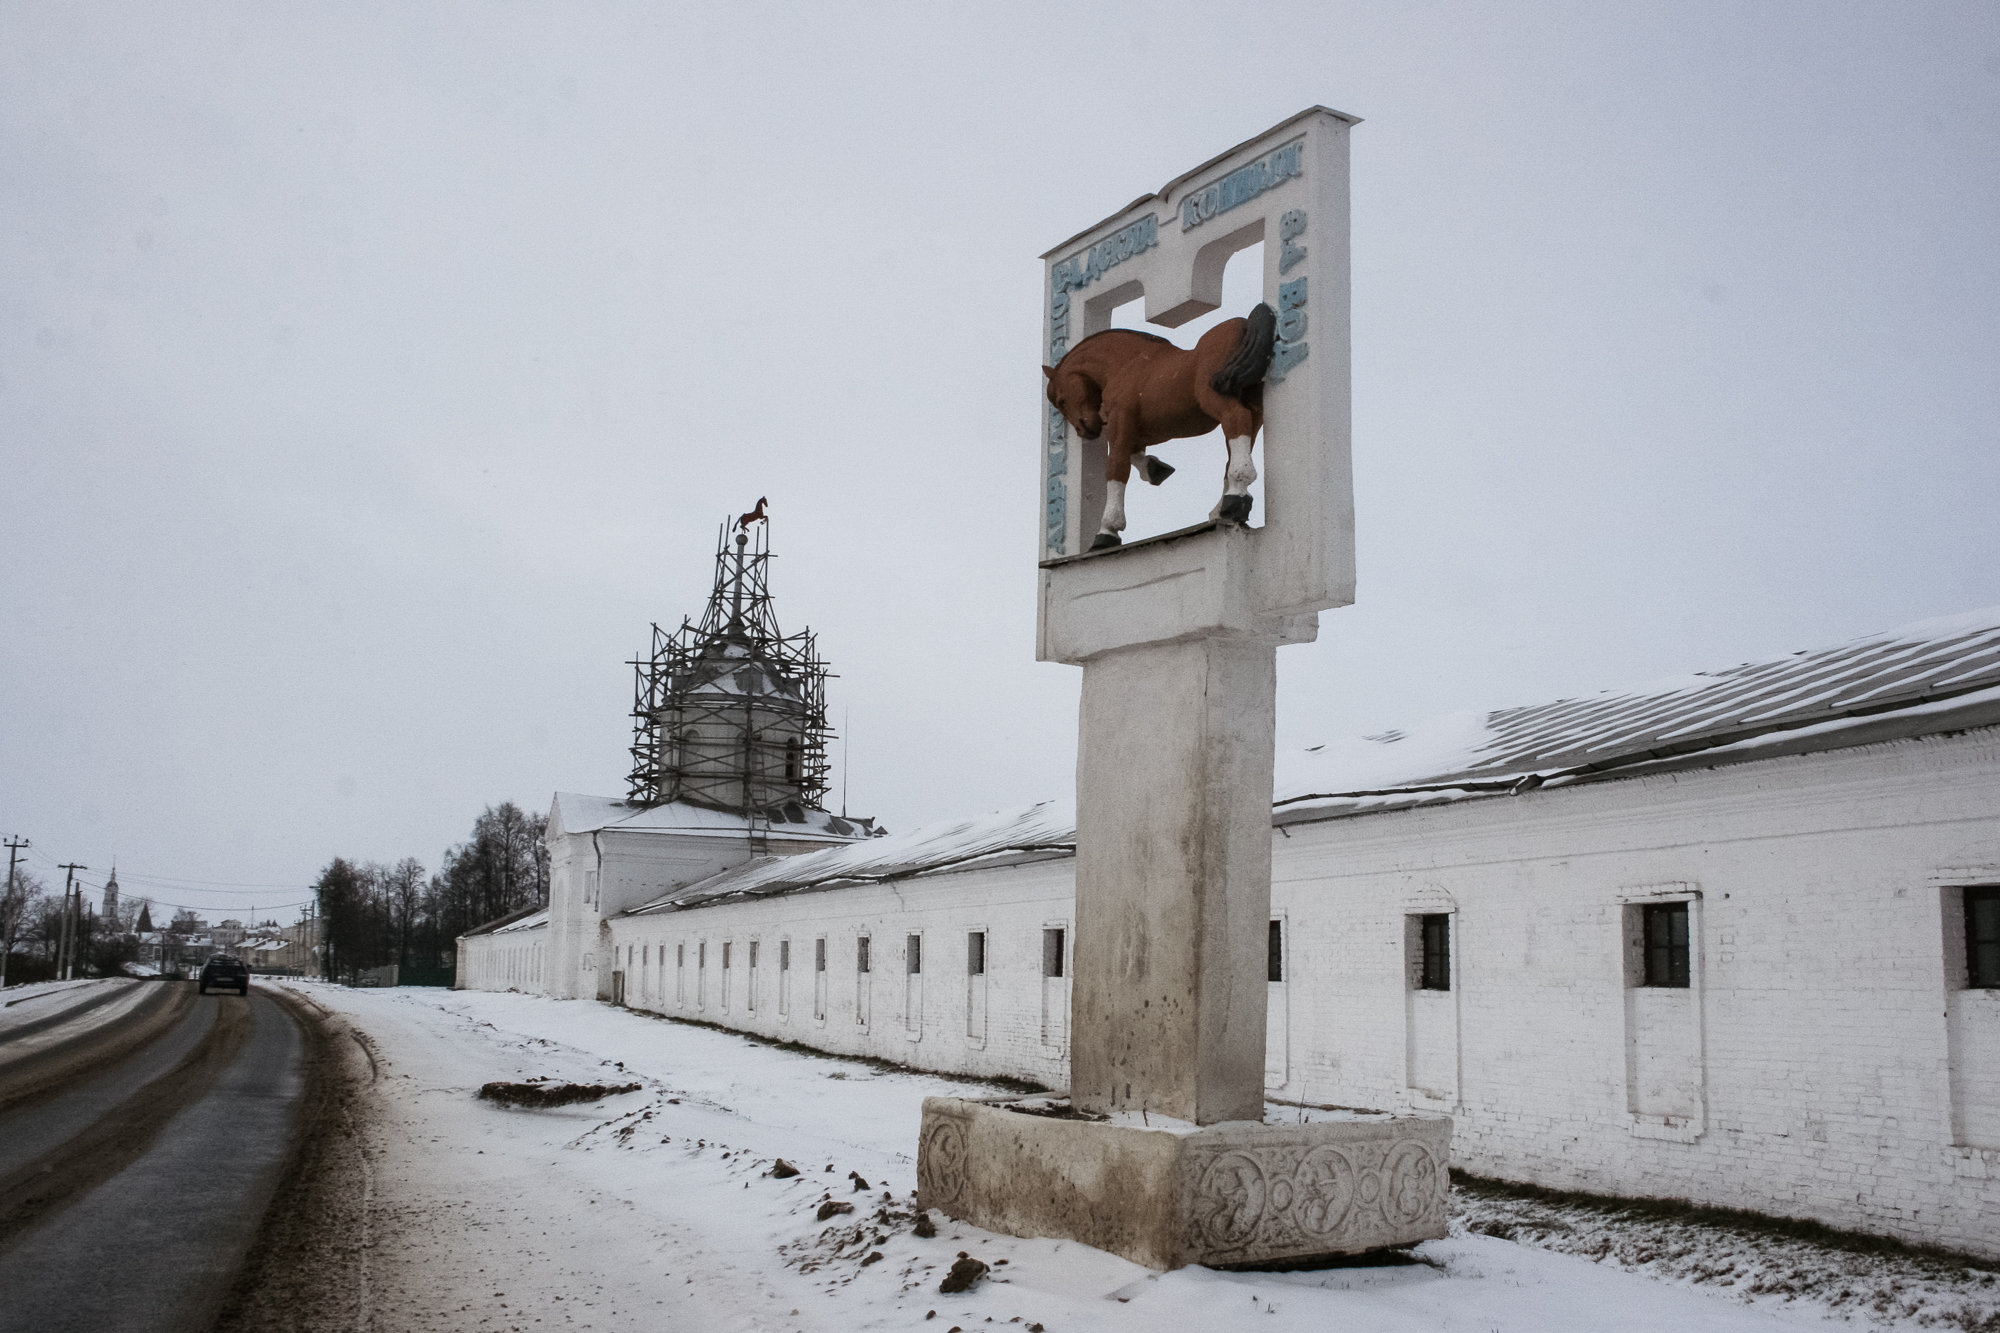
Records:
x=132, y=1180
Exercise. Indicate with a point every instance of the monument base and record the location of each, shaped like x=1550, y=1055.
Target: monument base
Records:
x=1238, y=1193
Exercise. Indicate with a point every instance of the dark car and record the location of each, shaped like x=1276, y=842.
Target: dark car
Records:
x=226, y=972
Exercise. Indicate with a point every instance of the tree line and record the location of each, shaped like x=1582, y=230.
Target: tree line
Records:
x=373, y=914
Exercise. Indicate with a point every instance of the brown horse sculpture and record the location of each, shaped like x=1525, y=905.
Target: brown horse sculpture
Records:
x=1137, y=390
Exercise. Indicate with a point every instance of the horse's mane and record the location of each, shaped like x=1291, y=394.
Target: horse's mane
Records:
x=1136, y=333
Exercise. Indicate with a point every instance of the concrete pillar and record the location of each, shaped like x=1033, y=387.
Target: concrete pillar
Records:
x=1173, y=879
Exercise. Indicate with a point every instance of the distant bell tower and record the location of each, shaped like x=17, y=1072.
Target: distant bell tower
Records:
x=731, y=713
x=111, y=896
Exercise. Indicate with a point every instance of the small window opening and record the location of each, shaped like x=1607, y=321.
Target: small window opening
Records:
x=975, y=954
x=861, y=954
x=1437, y=952
x=1275, y=963
x=913, y=954
x=1666, y=944
x=725, y=957
x=819, y=955
x=1982, y=938
x=680, y=955
x=1052, y=952
x=784, y=955
x=701, y=954
x=794, y=754
x=753, y=953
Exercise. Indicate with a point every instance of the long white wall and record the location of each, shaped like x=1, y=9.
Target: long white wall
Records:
x=1824, y=1061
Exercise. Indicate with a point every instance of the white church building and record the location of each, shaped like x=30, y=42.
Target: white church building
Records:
x=1731, y=937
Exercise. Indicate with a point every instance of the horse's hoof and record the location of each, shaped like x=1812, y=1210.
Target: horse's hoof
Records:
x=1233, y=509
x=1156, y=471
x=1104, y=541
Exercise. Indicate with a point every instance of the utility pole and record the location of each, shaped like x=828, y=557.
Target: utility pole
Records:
x=64, y=961
x=8, y=910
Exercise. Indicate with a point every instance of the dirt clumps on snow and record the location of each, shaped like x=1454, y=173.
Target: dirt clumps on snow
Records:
x=965, y=1272
x=833, y=1208
x=925, y=1229
x=783, y=1170
x=548, y=1093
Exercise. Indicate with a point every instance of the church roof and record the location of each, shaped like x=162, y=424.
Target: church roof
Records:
x=1922, y=679
x=577, y=813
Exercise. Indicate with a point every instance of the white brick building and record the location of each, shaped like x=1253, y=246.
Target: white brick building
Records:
x=1732, y=937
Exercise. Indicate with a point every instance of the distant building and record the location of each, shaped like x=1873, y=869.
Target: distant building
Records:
x=110, y=912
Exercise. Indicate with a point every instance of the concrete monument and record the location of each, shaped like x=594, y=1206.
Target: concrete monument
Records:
x=1161, y=1151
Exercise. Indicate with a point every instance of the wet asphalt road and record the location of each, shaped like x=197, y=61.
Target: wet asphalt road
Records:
x=130, y=1192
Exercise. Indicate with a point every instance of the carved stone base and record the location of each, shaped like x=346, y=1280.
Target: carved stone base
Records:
x=1229, y=1194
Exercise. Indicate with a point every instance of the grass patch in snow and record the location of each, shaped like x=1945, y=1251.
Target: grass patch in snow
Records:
x=1752, y=1256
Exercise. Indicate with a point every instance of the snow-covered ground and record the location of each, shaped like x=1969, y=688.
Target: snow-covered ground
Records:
x=49, y=999
x=656, y=1209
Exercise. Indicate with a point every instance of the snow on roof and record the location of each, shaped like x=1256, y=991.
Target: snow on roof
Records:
x=1024, y=831
x=1933, y=676
x=527, y=918
x=587, y=814
x=1901, y=671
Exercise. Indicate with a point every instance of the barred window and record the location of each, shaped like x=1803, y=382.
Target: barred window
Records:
x=861, y=954
x=1436, y=972
x=975, y=954
x=1666, y=935
x=1982, y=938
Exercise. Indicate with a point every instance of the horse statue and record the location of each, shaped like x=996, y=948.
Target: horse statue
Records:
x=1137, y=390
x=756, y=515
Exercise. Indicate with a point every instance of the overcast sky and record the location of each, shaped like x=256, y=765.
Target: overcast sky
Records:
x=371, y=376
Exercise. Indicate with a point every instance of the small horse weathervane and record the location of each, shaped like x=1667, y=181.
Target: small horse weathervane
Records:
x=1137, y=389
x=757, y=515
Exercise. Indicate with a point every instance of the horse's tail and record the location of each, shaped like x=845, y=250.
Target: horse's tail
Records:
x=1245, y=370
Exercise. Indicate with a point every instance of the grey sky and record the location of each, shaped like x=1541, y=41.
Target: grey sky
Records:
x=372, y=375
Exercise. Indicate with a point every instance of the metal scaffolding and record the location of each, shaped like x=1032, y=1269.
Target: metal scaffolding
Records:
x=731, y=712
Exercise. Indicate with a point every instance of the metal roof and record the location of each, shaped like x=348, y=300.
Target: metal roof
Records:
x=1901, y=671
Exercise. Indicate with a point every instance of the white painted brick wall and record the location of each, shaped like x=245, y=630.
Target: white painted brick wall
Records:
x=1824, y=885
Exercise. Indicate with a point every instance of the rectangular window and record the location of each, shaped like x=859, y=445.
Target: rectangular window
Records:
x=1052, y=952
x=1666, y=935
x=819, y=954
x=725, y=956
x=913, y=954
x=784, y=955
x=1436, y=973
x=1275, y=962
x=975, y=954
x=861, y=954
x=753, y=953
x=1982, y=938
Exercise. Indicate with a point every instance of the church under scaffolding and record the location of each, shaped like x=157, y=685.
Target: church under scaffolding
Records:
x=730, y=713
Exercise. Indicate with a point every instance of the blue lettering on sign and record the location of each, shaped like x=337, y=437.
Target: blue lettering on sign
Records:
x=1291, y=348
x=1066, y=276
x=1242, y=185
x=1283, y=357
x=1290, y=227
